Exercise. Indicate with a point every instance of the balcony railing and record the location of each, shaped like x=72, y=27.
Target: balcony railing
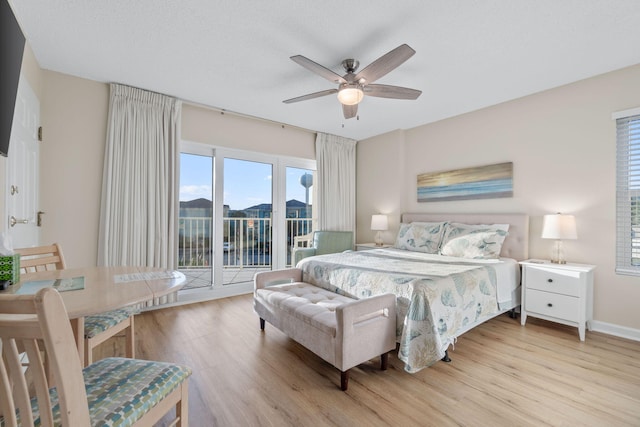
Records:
x=246, y=241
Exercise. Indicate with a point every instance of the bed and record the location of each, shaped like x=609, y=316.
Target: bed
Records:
x=446, y=280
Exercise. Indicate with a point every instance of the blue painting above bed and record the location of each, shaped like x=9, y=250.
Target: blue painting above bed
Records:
x=483, y=182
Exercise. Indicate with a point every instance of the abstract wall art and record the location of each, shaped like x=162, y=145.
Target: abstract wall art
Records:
x=482, y=182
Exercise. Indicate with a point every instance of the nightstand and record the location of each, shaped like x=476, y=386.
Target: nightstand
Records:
x=368, y=246
x=561, y=293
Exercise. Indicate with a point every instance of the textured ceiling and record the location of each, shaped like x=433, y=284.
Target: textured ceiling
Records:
x=234, y=55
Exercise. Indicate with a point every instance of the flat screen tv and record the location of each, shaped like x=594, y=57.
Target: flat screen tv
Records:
x=12, y=47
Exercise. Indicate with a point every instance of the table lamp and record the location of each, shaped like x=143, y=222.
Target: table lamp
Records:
x=559, y=227
x=379, y=223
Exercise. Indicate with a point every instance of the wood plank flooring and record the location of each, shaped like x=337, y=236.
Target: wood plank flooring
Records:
x=502, y=374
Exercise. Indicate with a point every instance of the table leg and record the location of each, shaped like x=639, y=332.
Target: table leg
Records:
x=77, y=326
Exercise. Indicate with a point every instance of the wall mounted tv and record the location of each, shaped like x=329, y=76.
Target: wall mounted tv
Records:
x=12, y=47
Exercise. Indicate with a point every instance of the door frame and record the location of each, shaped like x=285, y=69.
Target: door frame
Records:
x=26, y=115
x=278, y=187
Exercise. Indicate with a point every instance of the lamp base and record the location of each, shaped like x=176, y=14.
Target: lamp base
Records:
x=557, y=254
x=378, y=240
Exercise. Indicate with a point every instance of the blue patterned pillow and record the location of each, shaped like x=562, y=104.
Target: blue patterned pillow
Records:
x=473, y=241
x=420, y=236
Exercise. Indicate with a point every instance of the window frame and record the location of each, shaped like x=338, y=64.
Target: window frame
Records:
x=627, y=191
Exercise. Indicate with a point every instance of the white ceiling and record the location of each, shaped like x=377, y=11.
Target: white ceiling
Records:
x=234, y=55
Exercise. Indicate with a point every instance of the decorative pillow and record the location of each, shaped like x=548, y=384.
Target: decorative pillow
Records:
x=420, y=236
x=473, y=241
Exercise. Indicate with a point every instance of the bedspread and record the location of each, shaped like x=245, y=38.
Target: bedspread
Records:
x=435, y=299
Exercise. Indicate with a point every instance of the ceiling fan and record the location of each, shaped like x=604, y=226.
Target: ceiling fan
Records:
x=352, y=87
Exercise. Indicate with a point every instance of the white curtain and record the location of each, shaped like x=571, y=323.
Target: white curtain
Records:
x=139, y=209
x=336, y=169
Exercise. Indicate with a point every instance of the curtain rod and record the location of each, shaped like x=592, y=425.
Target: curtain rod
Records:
x=233, y=113
x=246, y=116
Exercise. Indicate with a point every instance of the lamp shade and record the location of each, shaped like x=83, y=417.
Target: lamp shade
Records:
x=379, y=223
x=559, y=226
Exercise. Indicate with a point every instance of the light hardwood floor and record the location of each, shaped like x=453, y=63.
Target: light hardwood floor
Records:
x=501, y=374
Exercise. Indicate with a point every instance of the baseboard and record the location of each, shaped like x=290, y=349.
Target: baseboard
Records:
x=616, y=330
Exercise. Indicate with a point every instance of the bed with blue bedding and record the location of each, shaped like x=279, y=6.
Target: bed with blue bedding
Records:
x=472, y=276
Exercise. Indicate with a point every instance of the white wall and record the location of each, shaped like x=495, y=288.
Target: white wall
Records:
x=74, y=121
x=562, y=145
x=379, y=165
x=209, y=126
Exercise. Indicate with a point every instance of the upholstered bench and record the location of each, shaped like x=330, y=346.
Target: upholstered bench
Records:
x=341, y=330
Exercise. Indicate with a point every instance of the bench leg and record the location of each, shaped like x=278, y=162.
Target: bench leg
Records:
x=344, y=380
x=261, y=324
x=384, y=361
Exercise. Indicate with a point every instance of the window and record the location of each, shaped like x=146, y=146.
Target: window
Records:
x=628, y=192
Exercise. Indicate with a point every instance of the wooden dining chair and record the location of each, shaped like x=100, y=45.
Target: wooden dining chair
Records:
x=97, y=328
x=111, y=391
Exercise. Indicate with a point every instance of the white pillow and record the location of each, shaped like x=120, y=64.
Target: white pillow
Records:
x=420, y=236
x=473, y=241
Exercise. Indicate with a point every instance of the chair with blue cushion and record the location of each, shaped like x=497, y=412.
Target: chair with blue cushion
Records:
x=110, y=392
x=325, y=242
x=97, y=328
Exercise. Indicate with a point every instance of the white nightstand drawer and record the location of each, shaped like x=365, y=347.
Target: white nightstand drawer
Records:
x=565, y=282
x=551, y=304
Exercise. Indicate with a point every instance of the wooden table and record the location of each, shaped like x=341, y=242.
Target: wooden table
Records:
x=106, y=288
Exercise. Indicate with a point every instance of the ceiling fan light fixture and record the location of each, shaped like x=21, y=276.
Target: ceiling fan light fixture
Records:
x=351, y=86
x=350, y=94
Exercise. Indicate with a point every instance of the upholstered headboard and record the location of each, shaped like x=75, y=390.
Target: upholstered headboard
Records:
x=515, y=246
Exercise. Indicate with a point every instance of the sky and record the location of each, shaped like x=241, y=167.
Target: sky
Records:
x=246, y=183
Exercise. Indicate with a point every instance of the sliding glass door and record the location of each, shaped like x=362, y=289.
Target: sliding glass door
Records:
x=240, y=213
x=195, y=218
x=247, y=219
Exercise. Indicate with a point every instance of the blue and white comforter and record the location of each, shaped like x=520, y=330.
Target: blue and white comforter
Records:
x=436, y=299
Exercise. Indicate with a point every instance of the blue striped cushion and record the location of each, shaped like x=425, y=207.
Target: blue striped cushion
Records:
x=95, y=324
x=120, y=391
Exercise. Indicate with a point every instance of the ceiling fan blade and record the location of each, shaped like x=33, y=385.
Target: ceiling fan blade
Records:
x=395, y=92
x=318, y=69
x=349, y=111
x=311, y=96
x=385, y=64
